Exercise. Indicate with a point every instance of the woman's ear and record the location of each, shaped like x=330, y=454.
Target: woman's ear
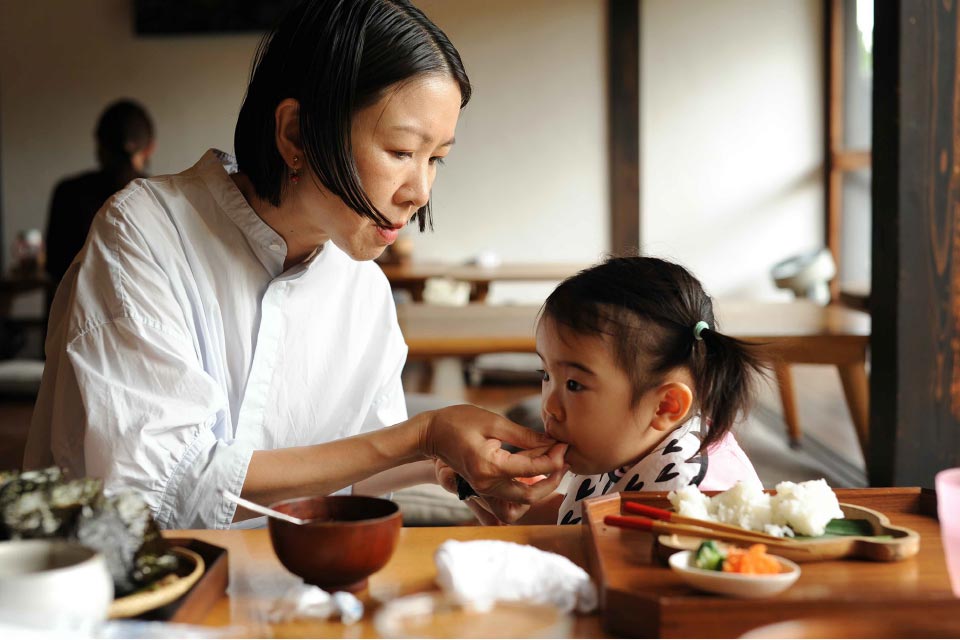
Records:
x=287, y=133
x=674, y=400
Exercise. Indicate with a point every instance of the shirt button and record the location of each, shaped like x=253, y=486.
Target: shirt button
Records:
x=275, y=247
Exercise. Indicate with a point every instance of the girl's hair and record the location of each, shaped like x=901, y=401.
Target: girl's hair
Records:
x=335, y=57
x=649, y=309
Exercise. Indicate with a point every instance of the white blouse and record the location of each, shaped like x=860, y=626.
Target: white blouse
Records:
x=178, y=346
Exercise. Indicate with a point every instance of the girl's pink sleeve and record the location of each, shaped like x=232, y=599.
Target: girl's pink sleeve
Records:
x=726, y=465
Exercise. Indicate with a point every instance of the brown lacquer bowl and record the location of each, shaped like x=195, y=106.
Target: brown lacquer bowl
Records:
x=349, y=539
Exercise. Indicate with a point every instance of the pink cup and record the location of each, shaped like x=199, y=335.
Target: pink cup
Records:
x=948, y=510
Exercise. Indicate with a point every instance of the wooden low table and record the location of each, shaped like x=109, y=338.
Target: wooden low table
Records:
x=413, y=276
x=633, y=586
x=798, y=332
x=258, y=579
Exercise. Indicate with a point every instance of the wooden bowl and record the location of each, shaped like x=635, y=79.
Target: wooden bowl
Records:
x=352, y=538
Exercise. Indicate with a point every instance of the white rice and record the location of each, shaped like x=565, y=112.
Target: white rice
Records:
x=690, y=502
x=806, y=507
x=803, y=508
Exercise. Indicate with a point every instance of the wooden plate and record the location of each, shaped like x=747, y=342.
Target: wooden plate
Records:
x=902, y=542
x=190, y=568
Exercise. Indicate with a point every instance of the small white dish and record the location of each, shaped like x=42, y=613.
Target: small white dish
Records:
x=738, y=585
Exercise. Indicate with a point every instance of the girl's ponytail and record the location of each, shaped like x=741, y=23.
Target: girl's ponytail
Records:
x=724, y=371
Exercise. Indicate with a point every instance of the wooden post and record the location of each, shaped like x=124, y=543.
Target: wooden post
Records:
x=915, y=294
x=623, y=92
x=833, y=55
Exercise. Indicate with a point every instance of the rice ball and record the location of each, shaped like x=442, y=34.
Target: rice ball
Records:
x=806, y=507
x=690, y=502
x=744, y=505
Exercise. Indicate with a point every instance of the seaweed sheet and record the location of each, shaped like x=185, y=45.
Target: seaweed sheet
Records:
x=43, y=504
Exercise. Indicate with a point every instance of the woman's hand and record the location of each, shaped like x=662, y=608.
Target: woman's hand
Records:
x=447, y=478
x=469, y=439
x=485, y=508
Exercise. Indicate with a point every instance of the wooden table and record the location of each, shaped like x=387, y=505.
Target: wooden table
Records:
x=413, y=276
x=877, y=591
x=798, y=332
x=876, y=599
x=254, y=567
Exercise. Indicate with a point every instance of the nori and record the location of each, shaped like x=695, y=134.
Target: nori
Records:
x=42, y=504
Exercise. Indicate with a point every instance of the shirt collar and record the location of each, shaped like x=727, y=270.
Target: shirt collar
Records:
x=215, y=168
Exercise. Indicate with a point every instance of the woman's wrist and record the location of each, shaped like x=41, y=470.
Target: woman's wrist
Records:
x=425, y=424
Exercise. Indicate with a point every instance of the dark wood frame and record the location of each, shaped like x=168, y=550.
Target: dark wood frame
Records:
x=915, y=297
x=623, y=91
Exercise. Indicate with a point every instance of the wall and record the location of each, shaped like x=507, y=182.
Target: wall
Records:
x=730, y=124
x=61, y=62
x=530, y=156
x=731, y=132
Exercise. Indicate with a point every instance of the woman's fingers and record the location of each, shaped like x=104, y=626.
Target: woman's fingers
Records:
x=525, y=464
x=483, y=512
x=468, y=439
x=446, y=477
x=518, y=492
x=520, y=436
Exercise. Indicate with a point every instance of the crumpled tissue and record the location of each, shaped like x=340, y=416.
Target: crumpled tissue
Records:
x=480, y=572
x=307, y=601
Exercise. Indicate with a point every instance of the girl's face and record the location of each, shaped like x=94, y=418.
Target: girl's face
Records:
x=398, y=143
x=586, y=402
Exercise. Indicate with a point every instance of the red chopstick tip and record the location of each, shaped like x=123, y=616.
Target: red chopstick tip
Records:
x=629, y=522
x=647, y=510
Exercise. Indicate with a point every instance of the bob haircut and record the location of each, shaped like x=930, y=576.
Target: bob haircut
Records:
x=335, y=57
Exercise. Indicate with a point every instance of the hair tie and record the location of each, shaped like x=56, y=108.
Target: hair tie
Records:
x=698, y=329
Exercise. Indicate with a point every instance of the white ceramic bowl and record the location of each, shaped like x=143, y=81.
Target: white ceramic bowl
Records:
x=53, y=584
x=737, y=585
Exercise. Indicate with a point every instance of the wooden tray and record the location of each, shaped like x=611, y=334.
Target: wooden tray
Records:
x=192, y=607
x=641, y=598
x=900, y=543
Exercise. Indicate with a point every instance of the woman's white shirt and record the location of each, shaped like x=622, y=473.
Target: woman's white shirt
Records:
x=178, y=345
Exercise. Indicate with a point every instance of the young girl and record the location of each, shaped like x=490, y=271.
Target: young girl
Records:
x=640, y=384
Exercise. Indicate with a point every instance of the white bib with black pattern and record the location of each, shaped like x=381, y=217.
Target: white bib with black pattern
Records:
x=673, y=465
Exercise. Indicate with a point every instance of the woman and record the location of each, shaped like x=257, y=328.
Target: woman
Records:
x=224, y=328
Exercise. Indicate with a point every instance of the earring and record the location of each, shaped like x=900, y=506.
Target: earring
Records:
x=294, y=172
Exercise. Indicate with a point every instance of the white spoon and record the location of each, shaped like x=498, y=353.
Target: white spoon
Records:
x=266, y=511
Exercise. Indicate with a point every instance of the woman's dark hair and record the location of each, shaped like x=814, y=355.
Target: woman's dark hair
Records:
x=335, y=57
x=124, y=128
x=649, y=308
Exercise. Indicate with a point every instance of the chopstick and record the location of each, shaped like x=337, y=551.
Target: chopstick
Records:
x=669, y=516
x=660, y=527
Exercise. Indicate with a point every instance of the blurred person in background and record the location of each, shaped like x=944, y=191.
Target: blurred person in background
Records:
x=125, y=142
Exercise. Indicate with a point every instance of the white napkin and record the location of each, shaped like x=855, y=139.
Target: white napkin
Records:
x=481, y=572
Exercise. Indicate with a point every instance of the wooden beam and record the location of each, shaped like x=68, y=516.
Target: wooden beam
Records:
x=851, y=160
x=915, y=292
x=623, y=94
x=833, y=131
